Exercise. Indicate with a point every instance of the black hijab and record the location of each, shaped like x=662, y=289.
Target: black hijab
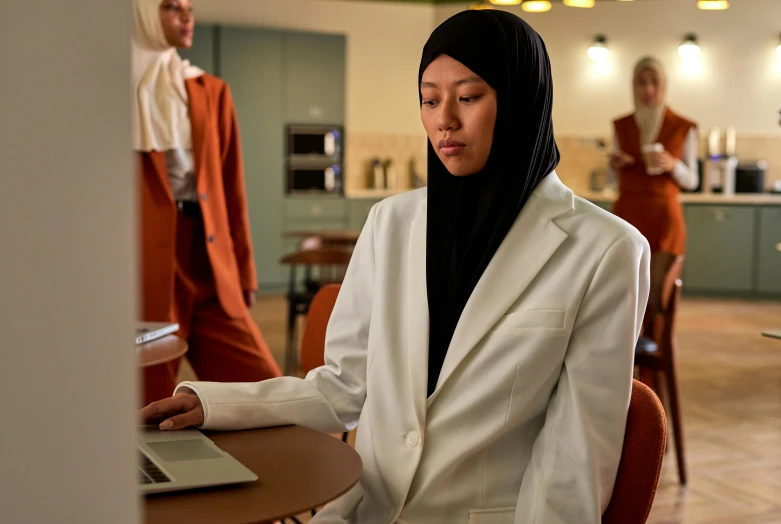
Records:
x=468, y=217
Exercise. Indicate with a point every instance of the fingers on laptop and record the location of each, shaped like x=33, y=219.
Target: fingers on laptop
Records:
x=191, y=418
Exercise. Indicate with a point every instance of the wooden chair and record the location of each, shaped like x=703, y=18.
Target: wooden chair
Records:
x=655, y=350
x=322, y=265
x=641, y=459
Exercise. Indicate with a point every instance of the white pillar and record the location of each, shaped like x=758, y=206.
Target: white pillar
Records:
x=67, y=264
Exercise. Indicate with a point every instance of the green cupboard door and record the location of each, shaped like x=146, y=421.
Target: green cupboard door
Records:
x=251, y=62
x=314, y=69
x=769, y=251
x=720, y=248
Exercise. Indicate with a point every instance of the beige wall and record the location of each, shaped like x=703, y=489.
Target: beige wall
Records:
x=739, y=83
x=384, y=44
x=67, y=304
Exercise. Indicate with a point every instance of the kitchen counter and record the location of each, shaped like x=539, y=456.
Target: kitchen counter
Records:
x=698, y=198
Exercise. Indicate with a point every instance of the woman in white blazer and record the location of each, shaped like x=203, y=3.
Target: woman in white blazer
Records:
x=483, y=338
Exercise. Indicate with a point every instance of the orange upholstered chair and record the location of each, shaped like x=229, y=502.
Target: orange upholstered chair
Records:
x=641, y=459
x=313, y=339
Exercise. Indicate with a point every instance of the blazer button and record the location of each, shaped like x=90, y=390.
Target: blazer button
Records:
x=203, y=197
x=413, y=439
x=211, y=239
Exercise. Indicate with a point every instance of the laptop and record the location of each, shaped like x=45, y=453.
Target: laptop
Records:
x=149, y=331
x=179, y=460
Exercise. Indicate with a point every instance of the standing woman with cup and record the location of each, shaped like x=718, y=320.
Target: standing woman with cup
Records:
x=655, y=156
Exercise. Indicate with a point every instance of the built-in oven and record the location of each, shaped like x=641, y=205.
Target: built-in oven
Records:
x=314, y=142
x=315, y=159
x=315, y=178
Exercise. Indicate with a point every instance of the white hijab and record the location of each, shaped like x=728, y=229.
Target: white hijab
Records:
x=161, y=120
x=650, y=119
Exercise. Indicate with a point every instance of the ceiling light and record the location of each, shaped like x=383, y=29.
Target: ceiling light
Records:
x=689, y=49
x=536, y=6
x=479, y=7
x=505, y=2
x=598, y=51
x=713, y=5
x=579, y=3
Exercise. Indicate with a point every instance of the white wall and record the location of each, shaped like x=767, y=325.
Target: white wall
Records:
x=67, y=214
x=740, y=79
x=384, y=44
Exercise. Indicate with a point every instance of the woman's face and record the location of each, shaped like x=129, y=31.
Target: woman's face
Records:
x=649, y=87
x=459, y=114
x=178, y=21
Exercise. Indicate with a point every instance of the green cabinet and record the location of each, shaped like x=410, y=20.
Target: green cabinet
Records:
x=314, y=69
x=251, y=61
x=769, y=251
x=202, y=53
x=314, y=209
x=358, y=211
x=720, y=248
x=276, y=78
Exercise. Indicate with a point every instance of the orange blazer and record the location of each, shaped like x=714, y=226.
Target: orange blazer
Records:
x=220, y=184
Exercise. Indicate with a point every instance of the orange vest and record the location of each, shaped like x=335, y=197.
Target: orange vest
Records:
x=633, y=179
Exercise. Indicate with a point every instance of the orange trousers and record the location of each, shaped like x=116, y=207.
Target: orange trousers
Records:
x=220, y=348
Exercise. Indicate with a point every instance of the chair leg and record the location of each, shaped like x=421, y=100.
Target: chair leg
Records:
x=290, y=344
x=675, y=413
x=344, y=436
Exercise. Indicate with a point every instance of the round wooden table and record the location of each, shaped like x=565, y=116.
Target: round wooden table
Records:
x=160, y=351
x=298, y=470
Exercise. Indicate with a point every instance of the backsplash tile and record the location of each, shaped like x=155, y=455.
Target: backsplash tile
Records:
x=403, y=149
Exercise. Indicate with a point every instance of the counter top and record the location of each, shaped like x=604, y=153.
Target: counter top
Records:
x=374, y=193
x=698, y=198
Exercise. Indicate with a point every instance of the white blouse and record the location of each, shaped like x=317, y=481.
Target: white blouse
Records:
x=181, y=174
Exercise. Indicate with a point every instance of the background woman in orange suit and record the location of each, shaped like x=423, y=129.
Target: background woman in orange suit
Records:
x=655, y=156
x=197, y=266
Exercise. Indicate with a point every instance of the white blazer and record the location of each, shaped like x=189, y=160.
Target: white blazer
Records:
x=526, y=424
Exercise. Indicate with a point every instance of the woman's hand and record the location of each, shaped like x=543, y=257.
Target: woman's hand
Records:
x=620, y=160
x=661, y=160
x=178, y=412
x=250, y=299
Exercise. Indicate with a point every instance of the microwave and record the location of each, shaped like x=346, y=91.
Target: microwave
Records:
x=315, y=178
x=313, y=142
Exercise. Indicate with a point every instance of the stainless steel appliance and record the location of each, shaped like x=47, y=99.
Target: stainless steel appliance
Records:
x=315, y=178
x=314, y=162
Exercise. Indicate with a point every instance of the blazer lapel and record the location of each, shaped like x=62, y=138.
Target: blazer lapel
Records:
x=417, y=315
x=198, y=102
x=532, y=240
x=157, y=159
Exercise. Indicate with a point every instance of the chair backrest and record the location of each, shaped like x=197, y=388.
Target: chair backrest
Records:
x=313, y=339
x=641, y=459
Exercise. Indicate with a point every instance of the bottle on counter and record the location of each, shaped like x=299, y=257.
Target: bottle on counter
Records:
x=378, y=174
x=391, y=179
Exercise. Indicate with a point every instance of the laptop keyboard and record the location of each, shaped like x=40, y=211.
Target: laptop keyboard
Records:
x=148, y=473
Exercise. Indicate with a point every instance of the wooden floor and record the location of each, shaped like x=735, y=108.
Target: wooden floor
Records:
x=730, y=379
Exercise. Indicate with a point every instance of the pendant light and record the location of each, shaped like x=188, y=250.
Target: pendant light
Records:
x=479, y=7
x=689, y=49
x=598, y=51
x=579, y=3
x=713, y=5
x=536, y=6
x=505, y=2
